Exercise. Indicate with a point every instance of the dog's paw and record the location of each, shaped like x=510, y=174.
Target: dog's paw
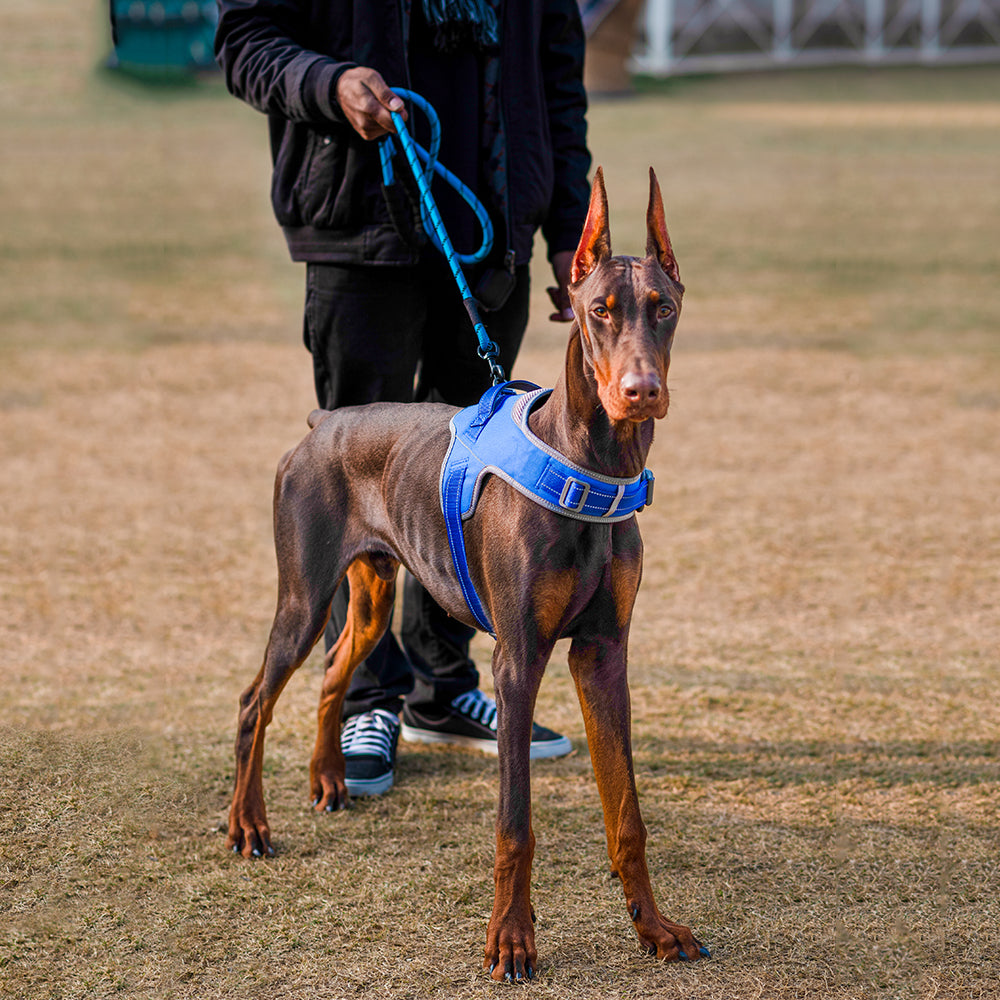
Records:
x=328, y=803
x=668, y=941
x=510, y=951
x=329, y=793
x=249, y=838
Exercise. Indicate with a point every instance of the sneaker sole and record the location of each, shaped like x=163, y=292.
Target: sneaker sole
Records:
x=362, y=787
x=539, y=751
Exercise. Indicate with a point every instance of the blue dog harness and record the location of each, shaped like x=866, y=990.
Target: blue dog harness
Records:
x=493, y=438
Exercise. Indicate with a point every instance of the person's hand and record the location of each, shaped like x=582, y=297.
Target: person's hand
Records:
x=561, y=264
x=367, y=101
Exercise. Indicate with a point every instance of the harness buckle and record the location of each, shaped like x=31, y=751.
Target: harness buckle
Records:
x=648, y=477
x=574, y=495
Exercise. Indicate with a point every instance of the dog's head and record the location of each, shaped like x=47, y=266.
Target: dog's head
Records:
x=627, y=310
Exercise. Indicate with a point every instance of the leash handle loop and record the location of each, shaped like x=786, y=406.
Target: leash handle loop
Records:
x=431, y=216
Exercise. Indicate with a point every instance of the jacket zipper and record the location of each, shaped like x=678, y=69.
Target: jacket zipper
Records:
x=508, y=258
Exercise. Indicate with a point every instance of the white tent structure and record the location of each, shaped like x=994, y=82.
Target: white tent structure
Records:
x=693, y=36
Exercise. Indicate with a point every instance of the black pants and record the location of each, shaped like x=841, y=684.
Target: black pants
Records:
x=401, y=334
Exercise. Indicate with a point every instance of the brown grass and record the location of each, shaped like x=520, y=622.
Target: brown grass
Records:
x=814, y=654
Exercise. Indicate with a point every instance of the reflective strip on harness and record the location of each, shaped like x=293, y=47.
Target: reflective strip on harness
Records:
x=452, y=477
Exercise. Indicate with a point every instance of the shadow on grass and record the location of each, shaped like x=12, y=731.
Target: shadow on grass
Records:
x=790, y=763
x=798, y=762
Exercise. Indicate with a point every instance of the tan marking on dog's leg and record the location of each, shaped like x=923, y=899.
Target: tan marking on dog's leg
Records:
x=367, y=619
x=510, y=937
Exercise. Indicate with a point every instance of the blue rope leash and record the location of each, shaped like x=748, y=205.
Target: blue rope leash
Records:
x=431, y=217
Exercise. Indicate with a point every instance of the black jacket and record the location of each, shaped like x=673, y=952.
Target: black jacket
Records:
x=284, y=58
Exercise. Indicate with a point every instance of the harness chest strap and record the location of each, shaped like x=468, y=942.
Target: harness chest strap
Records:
x=493, y=438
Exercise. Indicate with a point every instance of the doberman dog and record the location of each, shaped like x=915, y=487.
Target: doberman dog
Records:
x=360, y=495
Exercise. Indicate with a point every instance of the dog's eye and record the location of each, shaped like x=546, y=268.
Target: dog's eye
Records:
x=601, y=312
x=664, y=310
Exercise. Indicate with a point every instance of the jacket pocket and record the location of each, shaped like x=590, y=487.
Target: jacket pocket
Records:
x=323, y=194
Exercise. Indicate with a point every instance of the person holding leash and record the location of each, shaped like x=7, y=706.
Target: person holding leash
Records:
x=383, y=318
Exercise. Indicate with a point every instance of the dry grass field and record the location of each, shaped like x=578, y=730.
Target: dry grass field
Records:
x=815, y=657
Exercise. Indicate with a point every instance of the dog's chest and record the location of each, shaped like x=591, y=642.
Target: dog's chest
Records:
x=493, y=438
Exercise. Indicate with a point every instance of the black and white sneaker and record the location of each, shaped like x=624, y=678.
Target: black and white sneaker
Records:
x=471, y=721
x=369, y=744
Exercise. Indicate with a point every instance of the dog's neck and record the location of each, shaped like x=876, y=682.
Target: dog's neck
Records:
x=574, y=423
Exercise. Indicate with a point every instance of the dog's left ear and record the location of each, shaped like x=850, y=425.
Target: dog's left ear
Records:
x=657, y=238
x=595, y=243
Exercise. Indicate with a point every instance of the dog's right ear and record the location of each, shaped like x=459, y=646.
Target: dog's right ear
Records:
x=595, y=243
x=657, y=238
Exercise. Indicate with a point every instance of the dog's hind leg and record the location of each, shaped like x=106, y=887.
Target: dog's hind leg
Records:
x=298, y=624
x=372, y=580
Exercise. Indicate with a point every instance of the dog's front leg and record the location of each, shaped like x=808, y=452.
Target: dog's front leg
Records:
x=599, y=670
x=510, y=937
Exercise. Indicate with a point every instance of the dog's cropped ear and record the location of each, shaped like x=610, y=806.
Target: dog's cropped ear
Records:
x=595, y=243
x=657, y=238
